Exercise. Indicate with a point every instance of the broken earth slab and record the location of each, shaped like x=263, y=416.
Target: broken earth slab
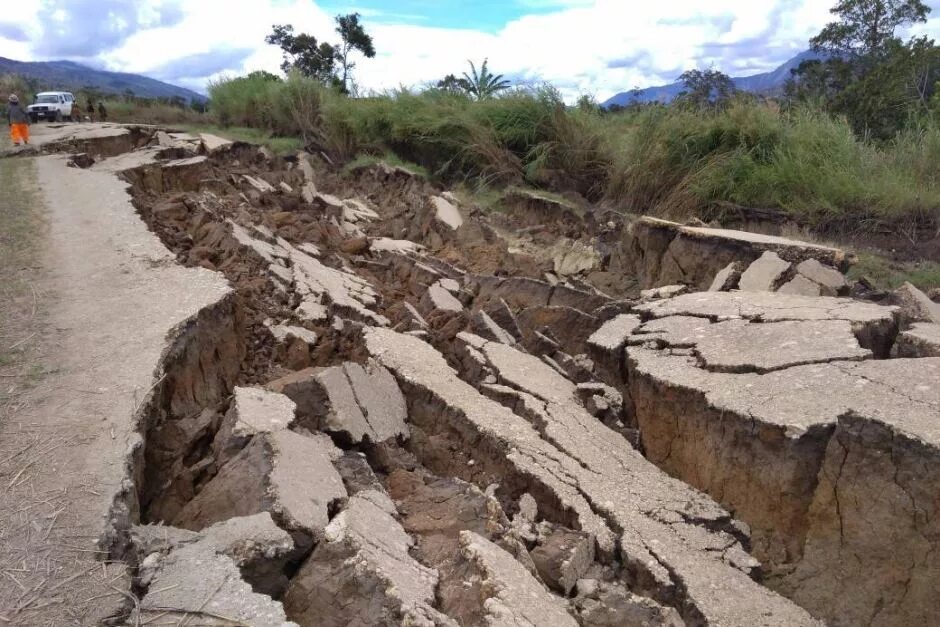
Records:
x=281, y=472
x=513, y=596
x=764, y=274
x=664, y=253
x=875, y=326
x=921, y=340
x=358, y=402
x=582, y=476
x=759, y=444
x=252, y=411
x=363, y=574
x=446, y=212
x=209, y=575
x=745, y=346
x=915, y=306
x=314, y=282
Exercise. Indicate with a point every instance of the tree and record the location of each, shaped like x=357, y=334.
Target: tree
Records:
x=453, y=85
x=319, y=60
x=354, y=38
x=867, y=28
x=705, y=88
x=304, y=53
x=483, y=85
x=870, y=75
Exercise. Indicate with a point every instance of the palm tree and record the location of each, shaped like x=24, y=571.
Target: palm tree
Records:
x=483, y=85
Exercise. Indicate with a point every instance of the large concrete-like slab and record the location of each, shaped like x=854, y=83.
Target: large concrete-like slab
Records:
x=586, y=474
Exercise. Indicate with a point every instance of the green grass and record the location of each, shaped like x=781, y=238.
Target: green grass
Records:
x=888, y=274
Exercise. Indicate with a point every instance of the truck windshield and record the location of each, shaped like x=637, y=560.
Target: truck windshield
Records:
x=47, y=99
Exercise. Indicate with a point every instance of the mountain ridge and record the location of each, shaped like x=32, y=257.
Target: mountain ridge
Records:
x=762, y=83
x=69, y=75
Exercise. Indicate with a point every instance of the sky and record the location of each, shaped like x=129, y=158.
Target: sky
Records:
x=595, y=47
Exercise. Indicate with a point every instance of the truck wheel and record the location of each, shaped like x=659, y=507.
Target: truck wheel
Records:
x=58, y=116
x=34, y=118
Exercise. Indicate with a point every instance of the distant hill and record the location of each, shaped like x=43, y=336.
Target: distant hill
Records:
x=767, y=83
x=69, y=76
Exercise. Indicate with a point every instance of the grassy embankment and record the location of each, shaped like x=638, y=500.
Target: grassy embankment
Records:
x=660, y=160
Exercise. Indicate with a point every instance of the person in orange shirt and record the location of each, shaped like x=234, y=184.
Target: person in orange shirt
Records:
x=18, y=119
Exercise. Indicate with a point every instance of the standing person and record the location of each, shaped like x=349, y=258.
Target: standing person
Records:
x=102, y=113
x=18, y=119
x=90, y=110
x=75, y=115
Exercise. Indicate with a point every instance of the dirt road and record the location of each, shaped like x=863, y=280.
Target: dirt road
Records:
x=80, y=348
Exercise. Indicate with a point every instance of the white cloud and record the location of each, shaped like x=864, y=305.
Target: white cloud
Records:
x=592, y=46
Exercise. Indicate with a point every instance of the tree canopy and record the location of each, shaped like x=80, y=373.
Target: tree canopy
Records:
x=328, y=63
x=704, y=88
x=867, y=27
x=868, y=74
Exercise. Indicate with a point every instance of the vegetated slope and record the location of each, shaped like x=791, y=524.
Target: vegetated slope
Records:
x=763, y=83
x=74, y=76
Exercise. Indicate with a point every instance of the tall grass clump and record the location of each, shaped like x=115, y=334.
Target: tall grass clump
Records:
x=670, y=161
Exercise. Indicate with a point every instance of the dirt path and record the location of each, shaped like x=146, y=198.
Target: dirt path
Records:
x=95, y=302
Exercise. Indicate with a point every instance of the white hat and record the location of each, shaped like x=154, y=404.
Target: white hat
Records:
x=14, y=99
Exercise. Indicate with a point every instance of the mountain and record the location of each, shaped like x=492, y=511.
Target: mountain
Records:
x=765, y=83
x=66, y=75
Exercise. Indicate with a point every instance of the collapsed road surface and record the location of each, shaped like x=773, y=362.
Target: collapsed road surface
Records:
x=334, y=398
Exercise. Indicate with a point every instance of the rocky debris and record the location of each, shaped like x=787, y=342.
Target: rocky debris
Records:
x=363, y=573
x=574, y=257
x=282, y=472
x=512, y=595
x=831, y=282
x=360, y=403
x=447, y=213
x=563, y=557
x=602, y=604
x=667, y=291
x=765, y=274
x=319, y=286
x=435, y=510
x=574, y=465
x=667, y=253
x=921, y=340
x=252, y=411
x=208, y=576
x=438, y=299
x=258, y=184
x=212, y=144
x=395, y=246
x=914, y=305
x=288, y=333
x=802, y=286
x=727, y=278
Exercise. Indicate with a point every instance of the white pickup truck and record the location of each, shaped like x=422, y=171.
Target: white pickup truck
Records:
x=54, y=106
